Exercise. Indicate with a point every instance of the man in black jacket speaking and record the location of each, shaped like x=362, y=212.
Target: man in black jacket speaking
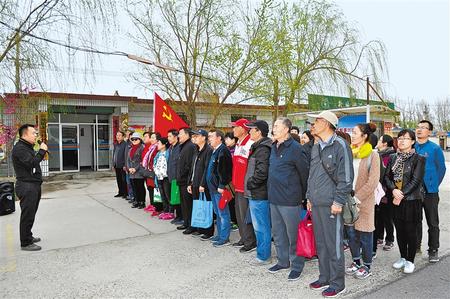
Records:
x=28, y=182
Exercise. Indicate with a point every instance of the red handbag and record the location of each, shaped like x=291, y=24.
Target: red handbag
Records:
x=306, y=243
x=225, y=199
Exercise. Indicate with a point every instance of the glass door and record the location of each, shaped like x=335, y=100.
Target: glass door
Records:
x=54, y=158
x=70, y=147
x=103, y=152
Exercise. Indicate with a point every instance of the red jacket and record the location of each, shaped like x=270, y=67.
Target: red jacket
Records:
x=240, y=160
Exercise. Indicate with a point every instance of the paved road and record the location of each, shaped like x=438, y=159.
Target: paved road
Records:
x=97, y=246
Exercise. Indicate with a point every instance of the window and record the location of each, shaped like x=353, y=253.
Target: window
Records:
x=235, y=117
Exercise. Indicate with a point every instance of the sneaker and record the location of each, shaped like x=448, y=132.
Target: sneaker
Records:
x=277, y=268
x=221, y=243
x=238, y=244
x=351, y=270
x=388, y=246
x=31, y=247
x=234, y=227
x=409, y=267
x=245, y=249
x=35, y=240
x=331, y=293
x=196, y=234
x=214, y=239
x=166, y=216
x=399, y=264
x=154, y=213
x=433, y=256
x=380, y=242
x=374, y=255
x=150, y=208
x=346, y=247
x=294, y=275
x=318, y=286
x=206, y=237
x=363, y=272
x=260, y=262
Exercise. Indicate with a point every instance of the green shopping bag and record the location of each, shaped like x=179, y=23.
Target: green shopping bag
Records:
x=157, y=195
x=174, y=193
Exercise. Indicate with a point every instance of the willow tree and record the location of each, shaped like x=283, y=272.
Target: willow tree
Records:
x=213, y=48
x=315, y=48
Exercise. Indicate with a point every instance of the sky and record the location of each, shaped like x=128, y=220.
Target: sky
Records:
x=416, y=35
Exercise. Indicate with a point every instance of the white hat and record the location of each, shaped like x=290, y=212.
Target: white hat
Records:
x=328, y=116
x=136, y=135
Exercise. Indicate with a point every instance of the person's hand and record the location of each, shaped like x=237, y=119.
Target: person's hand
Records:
x=398, y=194
x=189, y=189
x=201, y=189
x=43, y=146
x=132, y=170
x=396, y=201
x=220, y=190
x=308, y=205
x=335, y=209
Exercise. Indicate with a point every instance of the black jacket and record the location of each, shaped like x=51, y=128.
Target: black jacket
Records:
x=119, y=154
x=413, y=172
x=26, y=162
x=198, y=173
x=255, y=181
x=187, y=151
x=172, y=164
x=222, y=168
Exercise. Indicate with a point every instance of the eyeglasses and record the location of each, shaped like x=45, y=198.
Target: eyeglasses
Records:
x=404, y=138
x=422, y=128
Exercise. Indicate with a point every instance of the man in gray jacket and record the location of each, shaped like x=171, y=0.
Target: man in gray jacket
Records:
x=330, y=157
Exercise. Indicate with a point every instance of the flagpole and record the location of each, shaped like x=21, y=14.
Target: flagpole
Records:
x=154, y=104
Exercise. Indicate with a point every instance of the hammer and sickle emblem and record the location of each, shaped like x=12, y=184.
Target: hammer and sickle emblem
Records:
x=167, y=115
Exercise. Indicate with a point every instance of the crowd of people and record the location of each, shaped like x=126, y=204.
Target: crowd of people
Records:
x=273, y=180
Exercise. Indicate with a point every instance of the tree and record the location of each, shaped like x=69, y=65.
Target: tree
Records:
x=315, y=48
x=442, y=114
x=214, y=47
x=26, y=27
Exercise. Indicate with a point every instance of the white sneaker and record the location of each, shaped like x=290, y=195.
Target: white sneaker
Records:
x=399, y=264
x=409, y=267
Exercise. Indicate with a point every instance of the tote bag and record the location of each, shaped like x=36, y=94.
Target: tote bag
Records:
x=306, y=243
x=174, y=193
x=202, y=212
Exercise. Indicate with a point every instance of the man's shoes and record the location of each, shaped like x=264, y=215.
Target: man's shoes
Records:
x=197, y=234
x=433, y=256
x=238, y=244
x=277, y=268
x=182, y=227
x=141, y=206
x=245, y=249
x=118, y=195
x=331, y=293
x=35, y=240
x=363, y=273
x=135, y=205
x=259, y=262
x=221, y=243
x=124, y=196
x=31, y=247
x=188, y=231
x=388, y=246
x=318, y=286
x=294, y=275
x=214, y=238
x=352, y=269
x=206, y=237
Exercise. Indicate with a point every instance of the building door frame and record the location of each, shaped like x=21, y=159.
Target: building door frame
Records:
x=61, y=152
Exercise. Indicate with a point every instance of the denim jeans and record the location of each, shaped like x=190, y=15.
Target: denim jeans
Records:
x=129, y=186
x=223, y=218
x=260, y=212
x=360, y=240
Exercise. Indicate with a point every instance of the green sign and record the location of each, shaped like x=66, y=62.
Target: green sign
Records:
x=318, y=102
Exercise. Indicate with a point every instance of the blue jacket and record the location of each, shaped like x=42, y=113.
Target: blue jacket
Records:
x=288, y=174
x=434, y=165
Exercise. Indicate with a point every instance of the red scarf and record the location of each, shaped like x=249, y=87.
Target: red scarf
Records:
x=134, y=149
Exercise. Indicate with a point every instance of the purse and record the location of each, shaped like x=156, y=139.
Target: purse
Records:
x=350, y=210
x=306, y=242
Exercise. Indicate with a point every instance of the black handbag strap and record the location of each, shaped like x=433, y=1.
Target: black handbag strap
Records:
x=323, y=165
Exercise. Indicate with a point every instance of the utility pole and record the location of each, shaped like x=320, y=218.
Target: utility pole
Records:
x=368, y=101
x=17, y=63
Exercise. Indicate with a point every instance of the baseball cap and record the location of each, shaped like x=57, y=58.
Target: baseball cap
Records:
x=200, y=132
x=240, y=123
x=328, y=116
x=136, y=135
x=261, y=125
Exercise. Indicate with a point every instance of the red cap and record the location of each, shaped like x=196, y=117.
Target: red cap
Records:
x=240, y=123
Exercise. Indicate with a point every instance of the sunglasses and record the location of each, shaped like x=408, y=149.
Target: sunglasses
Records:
x=134, y=139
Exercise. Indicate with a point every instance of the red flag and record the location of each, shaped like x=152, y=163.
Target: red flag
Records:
x=165, y=118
